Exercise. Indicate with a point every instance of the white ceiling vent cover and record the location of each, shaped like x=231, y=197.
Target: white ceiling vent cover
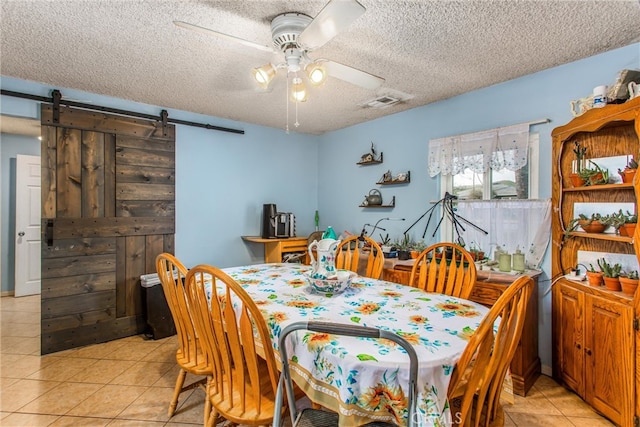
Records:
x=386, y=100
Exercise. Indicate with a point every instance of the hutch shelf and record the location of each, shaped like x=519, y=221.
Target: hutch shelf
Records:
x=595, y=330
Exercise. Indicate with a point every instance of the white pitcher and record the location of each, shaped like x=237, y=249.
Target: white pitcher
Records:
x=325, y=266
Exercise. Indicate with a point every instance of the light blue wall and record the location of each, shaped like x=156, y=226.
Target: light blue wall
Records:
x=222, y=180
x=403, y=138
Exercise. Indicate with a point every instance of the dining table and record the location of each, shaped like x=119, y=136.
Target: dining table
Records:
x=364, y=379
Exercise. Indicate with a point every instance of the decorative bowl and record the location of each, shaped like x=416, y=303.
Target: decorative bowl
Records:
x=333, y=286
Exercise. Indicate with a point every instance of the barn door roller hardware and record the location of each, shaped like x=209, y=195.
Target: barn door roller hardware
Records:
x=56, y=100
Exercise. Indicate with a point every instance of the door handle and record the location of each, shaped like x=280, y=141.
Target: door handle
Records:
x=21, y=234
x=48, y=232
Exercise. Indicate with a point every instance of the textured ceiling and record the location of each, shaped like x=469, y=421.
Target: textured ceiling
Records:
x=429, y=50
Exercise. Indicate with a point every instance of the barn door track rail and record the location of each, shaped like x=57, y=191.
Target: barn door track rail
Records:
x=56, y=99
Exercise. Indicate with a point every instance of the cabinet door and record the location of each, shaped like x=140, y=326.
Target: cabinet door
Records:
x=609, y=349
x=569, y=338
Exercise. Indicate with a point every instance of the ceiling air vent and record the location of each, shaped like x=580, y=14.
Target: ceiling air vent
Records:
x=381, y=102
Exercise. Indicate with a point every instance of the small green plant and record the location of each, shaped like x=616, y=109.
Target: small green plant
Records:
x=631, y=165
x=631, y=218
x=609, y=270
x=631, y=275
x=404, y=243
x=594, y=175
x=580, y=153
x=385, y=240
x=592, y=269
x=419, y=246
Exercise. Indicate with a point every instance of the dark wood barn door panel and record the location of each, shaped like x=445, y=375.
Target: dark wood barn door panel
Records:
x=108, y=209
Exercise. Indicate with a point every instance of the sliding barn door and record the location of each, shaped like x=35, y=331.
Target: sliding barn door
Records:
x=108, y=209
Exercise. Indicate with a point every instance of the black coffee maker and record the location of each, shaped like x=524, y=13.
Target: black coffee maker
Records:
x=276, y=224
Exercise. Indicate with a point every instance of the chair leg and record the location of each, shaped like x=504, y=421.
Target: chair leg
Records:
x=213, y=417
x=176, y=392
x=207, y=403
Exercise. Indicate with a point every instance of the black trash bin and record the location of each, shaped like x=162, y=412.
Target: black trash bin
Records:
x=159, y=320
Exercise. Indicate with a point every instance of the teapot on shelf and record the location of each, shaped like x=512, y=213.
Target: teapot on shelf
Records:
x=374, y=198
x=324, y=267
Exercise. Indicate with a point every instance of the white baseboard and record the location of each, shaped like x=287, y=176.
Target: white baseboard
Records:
x=546, y=370
x=6, y=294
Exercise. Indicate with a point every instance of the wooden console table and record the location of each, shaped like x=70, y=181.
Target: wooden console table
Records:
x=525, y=366
x=274, y=248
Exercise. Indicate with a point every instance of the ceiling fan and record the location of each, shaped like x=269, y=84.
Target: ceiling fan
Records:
x=295, y=35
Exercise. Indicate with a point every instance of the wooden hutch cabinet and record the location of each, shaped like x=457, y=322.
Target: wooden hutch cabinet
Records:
x=595, y=330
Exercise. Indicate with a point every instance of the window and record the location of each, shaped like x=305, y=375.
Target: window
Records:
x=497, y=184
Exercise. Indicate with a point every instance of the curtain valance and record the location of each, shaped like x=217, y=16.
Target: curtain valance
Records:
x=499, y=148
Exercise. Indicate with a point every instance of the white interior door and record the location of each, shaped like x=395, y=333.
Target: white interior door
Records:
x=27, y=279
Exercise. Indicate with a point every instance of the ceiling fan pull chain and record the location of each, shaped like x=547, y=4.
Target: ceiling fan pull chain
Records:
x=286, y=100
x=296, y=124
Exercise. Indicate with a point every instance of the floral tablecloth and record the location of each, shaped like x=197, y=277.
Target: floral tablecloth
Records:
x=361, y=378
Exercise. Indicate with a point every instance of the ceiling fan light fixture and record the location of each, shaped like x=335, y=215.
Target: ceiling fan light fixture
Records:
x=317, y=73
x=298, y=91
x=264, y=75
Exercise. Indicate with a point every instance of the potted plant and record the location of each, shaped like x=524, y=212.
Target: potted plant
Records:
x=594, y=277
x=404, y=246
x=594, y=224
x=617, y=221
x=629, y=282
x=385, y=243
x=578, y=165
x=594, y=175
x=611, y=274
x=417, y=248
x=629, y=171
x=476, y=252
x=630, y=224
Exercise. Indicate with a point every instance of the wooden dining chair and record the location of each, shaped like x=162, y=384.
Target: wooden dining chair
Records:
x=445, y=268
x=349, y=252
x=190, y=356
x=478, y=377
x=244, y=383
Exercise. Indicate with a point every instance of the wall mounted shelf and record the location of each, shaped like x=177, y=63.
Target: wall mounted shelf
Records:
x=390, y=205
x=372, y=161
x=396, y=181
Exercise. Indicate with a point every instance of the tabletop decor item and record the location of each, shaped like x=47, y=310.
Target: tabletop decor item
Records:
x=325, y=265
x=335, y=285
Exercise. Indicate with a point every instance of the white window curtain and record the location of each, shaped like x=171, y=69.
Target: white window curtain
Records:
x=500, y=148
x=511, y=224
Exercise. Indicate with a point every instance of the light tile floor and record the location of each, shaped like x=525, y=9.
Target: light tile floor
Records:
x=129, y=382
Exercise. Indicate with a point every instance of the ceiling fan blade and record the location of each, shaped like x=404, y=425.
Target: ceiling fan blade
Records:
x=335, y=17
x=224, y=36
x=353, y=75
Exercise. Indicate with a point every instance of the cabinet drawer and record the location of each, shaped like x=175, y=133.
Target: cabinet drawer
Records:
x=487, y=293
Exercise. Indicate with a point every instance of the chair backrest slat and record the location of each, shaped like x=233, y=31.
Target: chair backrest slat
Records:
x=348, y=256
x=445, y=268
